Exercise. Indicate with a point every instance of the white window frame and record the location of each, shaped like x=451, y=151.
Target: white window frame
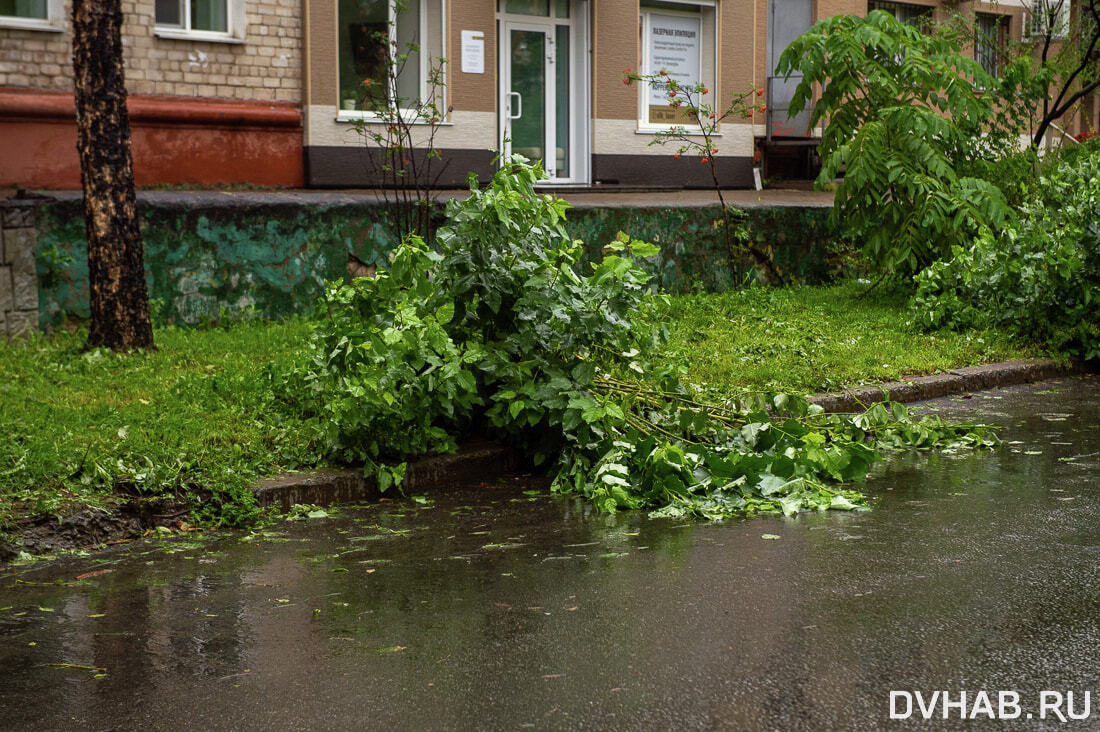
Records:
x=425, y=57
x=54, y=21
x=1039, y=8
x=235, y=20
x=644, y=125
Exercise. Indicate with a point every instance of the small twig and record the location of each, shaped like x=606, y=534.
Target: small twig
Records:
x=78, y=666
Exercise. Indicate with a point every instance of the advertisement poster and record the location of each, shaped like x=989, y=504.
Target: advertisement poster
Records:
x=674, y=45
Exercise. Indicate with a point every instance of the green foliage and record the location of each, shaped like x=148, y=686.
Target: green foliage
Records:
x=700, y=138
x=500, y=327
x=810, y=339
x=909, y=118
x=1039, y=277
x=190, y=422
x=902, y=198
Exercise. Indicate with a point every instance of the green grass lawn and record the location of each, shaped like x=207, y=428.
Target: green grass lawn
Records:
x=813, y=339
x=197, y=414
x=194, y=413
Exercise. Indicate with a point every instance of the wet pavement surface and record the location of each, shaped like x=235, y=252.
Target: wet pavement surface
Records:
x=499, y=607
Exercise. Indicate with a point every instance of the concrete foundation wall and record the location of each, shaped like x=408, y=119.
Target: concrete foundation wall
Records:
x=18, y=271
x=270, y=255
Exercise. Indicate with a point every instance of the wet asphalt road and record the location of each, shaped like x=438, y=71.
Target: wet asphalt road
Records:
x=489, y=608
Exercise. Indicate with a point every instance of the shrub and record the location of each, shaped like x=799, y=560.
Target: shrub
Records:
x=909, y=120
x=500, y=328
x=1039, y=276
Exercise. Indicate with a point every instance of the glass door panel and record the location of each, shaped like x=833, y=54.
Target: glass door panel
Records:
x=527, y=96
x=562, y=90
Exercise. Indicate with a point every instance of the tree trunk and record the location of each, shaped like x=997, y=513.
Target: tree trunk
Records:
x=116, y=271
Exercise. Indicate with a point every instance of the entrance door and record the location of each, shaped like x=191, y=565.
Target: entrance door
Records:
x=543, y=103
x=787, y=20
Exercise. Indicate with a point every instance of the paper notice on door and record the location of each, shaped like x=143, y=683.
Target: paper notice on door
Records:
x=473, y=52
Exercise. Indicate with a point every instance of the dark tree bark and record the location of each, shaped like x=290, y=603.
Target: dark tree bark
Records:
x=118, y=296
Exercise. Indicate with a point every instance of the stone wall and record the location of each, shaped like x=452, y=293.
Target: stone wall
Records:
x=18, y=273
x=209, y=256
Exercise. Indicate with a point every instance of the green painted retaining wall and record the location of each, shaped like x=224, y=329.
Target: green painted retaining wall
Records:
x=206, y=261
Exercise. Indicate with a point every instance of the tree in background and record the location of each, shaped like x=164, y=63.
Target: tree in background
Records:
x=699, y=137
x=1065, y=47
x=118, y=298
x=911, y=122
x=400, y=131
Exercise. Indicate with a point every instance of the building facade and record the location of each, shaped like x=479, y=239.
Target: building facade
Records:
x=277, y=92
x=214, y=92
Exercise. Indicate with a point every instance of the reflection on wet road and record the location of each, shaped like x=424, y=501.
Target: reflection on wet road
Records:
x=495, y=608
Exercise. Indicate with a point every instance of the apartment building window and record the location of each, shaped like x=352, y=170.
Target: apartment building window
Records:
x=374, y=33
x=678, y=37
x=32, y=14
x=917, y=16
x=204, y=20
x=1047, y=16
x=990, y=41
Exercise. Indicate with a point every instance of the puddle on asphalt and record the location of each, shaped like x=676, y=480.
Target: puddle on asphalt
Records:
x=501, y=607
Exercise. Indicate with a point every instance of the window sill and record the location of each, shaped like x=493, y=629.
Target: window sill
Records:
x=34, y=24
x=175, y=34
x=351, y=117
x=658, y=130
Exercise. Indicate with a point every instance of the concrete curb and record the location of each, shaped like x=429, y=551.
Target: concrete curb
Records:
x=957, y=381
x=489, y=461
x=482, y=461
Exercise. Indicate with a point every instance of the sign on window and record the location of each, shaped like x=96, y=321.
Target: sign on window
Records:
x=674, y=45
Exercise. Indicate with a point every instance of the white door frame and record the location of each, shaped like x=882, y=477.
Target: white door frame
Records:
x=579, y=122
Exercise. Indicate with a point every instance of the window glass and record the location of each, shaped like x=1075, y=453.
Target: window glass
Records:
x=915, y=15
x=1048, y=16
x=169, y=12
x=678, y=38
x=366, y=50
x=987, y=49
x=209, y=15
x=24, y=8
x=528, y=7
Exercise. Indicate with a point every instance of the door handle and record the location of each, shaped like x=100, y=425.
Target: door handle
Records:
x=518, y=105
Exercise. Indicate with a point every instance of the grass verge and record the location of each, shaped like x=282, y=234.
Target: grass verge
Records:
x=194, y=420
x=190, y=420
x=814, y=339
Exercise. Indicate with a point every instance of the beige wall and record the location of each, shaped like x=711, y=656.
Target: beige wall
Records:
x=266, y=66
x=472, y=92
x=615, y=38
x=472, y=123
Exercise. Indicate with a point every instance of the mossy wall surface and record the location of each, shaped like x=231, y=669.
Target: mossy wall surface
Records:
x=207, y=262
x=693, y=247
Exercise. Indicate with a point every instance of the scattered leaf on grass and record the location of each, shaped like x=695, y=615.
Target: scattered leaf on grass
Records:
x=770, y=536
x=390, y=649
